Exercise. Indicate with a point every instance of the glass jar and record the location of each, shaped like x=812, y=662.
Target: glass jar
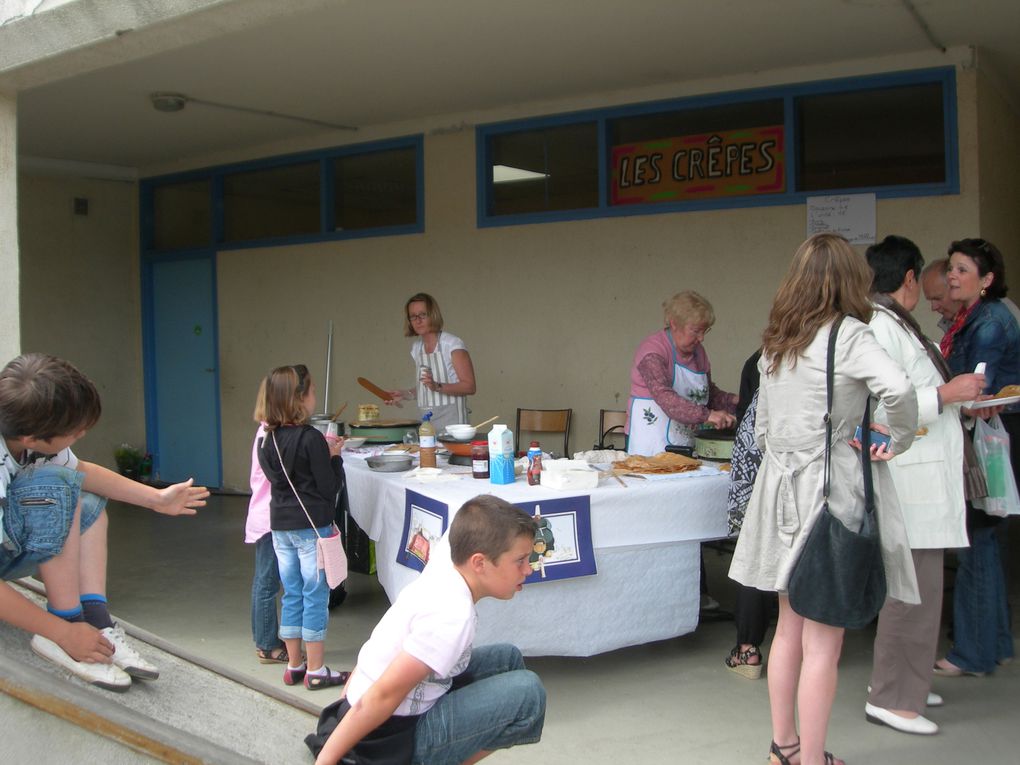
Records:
x=479, y=459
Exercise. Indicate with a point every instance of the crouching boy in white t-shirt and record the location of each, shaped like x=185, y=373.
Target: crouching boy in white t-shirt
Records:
x=419, y=693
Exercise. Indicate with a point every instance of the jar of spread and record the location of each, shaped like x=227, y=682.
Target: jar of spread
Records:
x=479, y=459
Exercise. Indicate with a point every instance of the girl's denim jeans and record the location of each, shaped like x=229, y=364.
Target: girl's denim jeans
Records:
x=303, y=613
x=265, y=585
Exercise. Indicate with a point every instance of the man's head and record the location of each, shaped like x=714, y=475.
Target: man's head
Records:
x=490, y=542
x=46, y=399
x=936, y=291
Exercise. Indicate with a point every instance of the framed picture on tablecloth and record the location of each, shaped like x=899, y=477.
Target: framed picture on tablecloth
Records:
x=563, y=548
x=425, y=521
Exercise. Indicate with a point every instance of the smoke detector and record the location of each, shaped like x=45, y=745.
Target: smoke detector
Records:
x=168, y=102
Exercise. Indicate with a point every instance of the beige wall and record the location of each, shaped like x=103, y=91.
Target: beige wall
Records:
x=998, y=149
x=10, y=318
x=551, y=313
x=80, y=295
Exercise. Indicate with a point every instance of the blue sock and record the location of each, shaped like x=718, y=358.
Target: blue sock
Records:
x=68, y=615
x=95, y=611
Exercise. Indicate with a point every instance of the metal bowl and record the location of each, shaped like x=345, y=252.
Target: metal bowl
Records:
x=390, y=463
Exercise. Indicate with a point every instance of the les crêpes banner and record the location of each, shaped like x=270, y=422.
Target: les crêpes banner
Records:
x=729, y=163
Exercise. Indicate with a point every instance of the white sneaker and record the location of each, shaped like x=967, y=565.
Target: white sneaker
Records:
x=126, y=657
x=108, y=676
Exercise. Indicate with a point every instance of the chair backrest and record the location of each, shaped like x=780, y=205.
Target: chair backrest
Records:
x=611, y=424
x=544, y=421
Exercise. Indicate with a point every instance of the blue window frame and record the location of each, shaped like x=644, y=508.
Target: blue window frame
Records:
x=892, y=134
x=361, y=190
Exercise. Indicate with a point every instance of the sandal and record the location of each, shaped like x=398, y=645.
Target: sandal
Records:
x=740, y=662
x=274, y=656
x=328, y=680
x=776, y=756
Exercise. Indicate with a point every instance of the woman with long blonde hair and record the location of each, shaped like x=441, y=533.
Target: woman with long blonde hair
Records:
x=826, y=281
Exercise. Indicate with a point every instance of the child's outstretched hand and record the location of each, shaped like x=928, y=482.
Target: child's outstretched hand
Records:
x=181, y=498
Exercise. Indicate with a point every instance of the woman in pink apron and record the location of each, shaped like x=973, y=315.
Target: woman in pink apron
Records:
x=671, y=388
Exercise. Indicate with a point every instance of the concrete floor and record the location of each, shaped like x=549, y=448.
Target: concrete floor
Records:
x=188, y=580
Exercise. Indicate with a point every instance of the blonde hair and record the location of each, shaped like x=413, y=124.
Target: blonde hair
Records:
x=826, y=279
x=283, y=391
x=259, y=414
x=688, y=307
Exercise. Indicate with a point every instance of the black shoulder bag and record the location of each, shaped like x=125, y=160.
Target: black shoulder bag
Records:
x=839, y=578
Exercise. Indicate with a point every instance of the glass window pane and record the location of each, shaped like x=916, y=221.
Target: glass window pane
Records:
x=376, y=189
x=278, y=201
x=691, y=154
x=182, y=215
x=651, y=127
x=552, y=168
x=886, y=137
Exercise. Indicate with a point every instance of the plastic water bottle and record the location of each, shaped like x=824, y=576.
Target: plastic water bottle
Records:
x=534, y=464
x=427, y=442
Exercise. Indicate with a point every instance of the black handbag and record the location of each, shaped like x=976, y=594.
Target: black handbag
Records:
x=839, y=578
x=392, y=743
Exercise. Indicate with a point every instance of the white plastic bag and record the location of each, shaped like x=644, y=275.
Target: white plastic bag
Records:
x=991, y=444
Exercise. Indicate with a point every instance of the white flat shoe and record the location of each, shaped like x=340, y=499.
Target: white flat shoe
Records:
x=919, y=725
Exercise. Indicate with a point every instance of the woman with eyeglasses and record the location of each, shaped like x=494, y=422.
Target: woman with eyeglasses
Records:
x=443, y=370
x=984, y=331
x=671, y=388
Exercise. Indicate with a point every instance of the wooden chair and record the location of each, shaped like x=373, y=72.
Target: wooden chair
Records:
x=611, y=424
x=543, y=421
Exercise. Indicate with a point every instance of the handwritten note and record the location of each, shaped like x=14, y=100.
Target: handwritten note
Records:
x=849, y=215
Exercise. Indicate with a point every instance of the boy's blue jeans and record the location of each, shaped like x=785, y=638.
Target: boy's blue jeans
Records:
x=265, y=626
x=303, y=611
x=38, y=512
x=495, y=704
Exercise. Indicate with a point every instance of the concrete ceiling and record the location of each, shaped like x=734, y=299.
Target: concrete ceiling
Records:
x=377, y=62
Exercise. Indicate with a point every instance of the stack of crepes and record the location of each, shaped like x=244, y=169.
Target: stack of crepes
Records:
x=663, y=462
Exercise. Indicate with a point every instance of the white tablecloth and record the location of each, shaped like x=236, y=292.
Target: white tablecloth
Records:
x=646, y=538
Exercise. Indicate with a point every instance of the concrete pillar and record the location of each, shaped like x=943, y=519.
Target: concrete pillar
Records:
x=10, y=307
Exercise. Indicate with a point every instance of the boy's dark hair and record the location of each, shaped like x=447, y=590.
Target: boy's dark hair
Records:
x=487, y=525
x=45, y=397
x=890, y=259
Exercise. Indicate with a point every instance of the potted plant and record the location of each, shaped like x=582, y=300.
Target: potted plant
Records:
x=129, y=460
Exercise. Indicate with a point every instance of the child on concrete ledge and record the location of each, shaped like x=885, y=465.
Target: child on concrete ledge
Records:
x=54, y=521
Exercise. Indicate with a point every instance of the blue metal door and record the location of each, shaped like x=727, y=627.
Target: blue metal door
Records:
x=182, y=381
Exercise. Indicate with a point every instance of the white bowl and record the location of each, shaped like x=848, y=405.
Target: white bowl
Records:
x=461, y=432
x=353, y=443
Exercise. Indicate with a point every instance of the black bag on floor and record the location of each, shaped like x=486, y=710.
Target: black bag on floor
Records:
x=839, y=578
x=357, y=545
x=392, y=743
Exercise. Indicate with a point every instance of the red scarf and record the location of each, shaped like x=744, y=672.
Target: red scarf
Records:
x=946, y=345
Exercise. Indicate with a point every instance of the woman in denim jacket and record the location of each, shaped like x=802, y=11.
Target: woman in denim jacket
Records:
x=984, y=330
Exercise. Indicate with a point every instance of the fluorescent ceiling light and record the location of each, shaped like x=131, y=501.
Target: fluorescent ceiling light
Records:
x=507, y=174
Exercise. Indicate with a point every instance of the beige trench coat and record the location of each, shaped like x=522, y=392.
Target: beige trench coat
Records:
x=790, y=430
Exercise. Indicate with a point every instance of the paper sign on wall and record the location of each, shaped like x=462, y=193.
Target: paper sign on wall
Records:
x=852, y=216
